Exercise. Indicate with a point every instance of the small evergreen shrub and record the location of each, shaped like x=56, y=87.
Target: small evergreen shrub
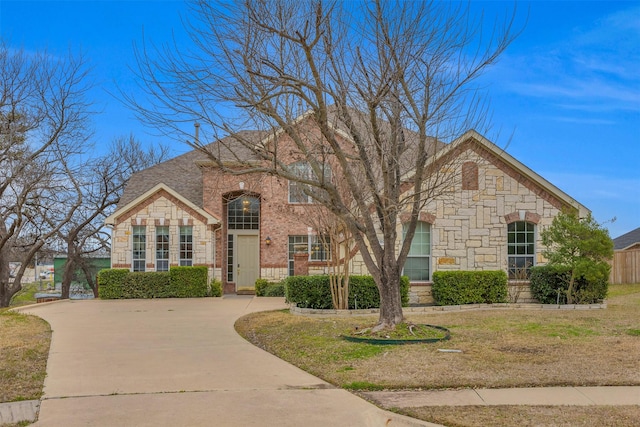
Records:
x=261, y=285
x=315, y=292
x=215, y=288
x=549, y=285
x=152, y=284
x=469, y=287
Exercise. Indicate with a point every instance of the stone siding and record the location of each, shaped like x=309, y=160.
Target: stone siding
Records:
x=161, y=211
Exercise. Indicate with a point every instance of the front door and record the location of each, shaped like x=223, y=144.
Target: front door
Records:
x=248, y=264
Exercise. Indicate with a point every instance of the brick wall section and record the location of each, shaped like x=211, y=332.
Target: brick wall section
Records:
x=278, y=218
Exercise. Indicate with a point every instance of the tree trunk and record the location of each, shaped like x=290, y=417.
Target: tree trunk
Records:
x=570, y=288
x=8, y=287
x=390, y=299
x=67, y=277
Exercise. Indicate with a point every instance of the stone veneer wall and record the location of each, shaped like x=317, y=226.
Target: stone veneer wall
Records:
x=469, y=227
x=161, y=211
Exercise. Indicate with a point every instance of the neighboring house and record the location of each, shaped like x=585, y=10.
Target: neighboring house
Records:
x=186, y=211
x=625, y=265
x=627, y=241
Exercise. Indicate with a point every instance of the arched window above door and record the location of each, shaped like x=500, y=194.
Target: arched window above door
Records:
x=243, y=213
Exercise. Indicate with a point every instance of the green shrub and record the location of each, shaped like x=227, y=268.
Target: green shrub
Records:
x=215, y=288
x=274, y=290
x=152, y=284
x=178, y=282
x=308, y=291
x=315, y=292
x=188, y=282
x=469, y=287
x=110, y=282
x=261, y=285
x=549, y=285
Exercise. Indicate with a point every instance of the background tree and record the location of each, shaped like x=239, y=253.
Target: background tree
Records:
x=581, y=245
x=99, y=182
x=44, y=120
x=382, y=84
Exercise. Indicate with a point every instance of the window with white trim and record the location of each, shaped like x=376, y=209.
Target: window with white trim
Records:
x=243, y=213
x=186, y=246
x=297, y=189
x=318, y=249
x=521, y=249
x=418, y=263
x=162, y=248
x=139, y=247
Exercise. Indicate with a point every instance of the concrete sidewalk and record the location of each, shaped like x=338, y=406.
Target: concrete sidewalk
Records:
x=179, y=362
x=535, y=396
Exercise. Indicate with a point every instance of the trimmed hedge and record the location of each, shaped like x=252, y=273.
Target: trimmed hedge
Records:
x=265, y=288
x=469, y=287
x=178, y=282
x=274, y=290
x=550, y=281
x=110, y=282
x=189, y=282
x=315, y=292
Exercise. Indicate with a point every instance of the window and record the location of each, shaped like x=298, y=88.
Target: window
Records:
x=139, y=247
x=312, y=245
x=162, y=248
x=230, y=258
x=417, y=265
x=297, y=189
x=520, y=249
x=186, y=246
x=243, y=213
x=319, y=248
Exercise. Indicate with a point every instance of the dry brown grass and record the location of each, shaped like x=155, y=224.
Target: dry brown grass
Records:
x=24, y=348
x=529, y=416
x=509, y=348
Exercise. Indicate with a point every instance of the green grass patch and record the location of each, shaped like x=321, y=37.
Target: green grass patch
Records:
x=26, y=295
x=633, y=332
x=363, y=386
x=560, y=330
x=359, y=351
x=622, y=290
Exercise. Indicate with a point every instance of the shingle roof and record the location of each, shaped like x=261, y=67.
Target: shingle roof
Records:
x=180, y=173
x=627, y=239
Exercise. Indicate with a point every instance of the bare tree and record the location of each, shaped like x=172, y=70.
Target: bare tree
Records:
x=381, y=85
x=100, y=183
x=43, y=122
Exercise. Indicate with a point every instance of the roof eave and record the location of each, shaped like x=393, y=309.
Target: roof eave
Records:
x=111, y=219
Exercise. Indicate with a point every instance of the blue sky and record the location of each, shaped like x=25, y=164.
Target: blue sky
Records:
x=565, y=96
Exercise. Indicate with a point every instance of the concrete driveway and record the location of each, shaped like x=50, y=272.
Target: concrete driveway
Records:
x=179, y=362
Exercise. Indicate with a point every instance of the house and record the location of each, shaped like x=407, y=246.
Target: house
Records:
x=627, y=241
x=186, y=211
x=625, y=265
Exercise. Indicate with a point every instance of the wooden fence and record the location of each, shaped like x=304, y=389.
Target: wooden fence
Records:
x=625, y=267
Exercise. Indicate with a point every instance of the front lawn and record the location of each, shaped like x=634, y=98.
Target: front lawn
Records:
x=24, y=348
x=509, y=348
